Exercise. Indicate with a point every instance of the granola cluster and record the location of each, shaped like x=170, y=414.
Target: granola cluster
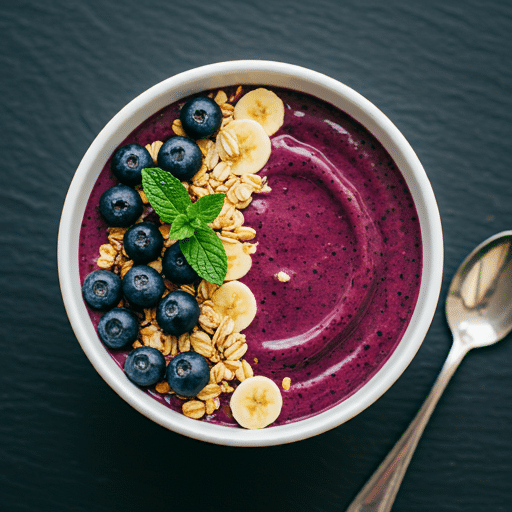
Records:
x=214, y=336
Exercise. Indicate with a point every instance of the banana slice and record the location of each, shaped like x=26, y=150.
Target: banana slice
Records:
x=256, y=402
x=263, y=106
x=245, y=145
x=239, y=262
x=235, y=300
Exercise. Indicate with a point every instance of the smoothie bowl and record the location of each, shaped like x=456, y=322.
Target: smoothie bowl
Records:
x=250, y=253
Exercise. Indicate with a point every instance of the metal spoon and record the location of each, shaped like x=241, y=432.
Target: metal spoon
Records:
x=479, y=313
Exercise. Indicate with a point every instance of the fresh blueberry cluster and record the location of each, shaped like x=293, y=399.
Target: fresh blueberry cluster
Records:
x=142, y=286
x=121, y=205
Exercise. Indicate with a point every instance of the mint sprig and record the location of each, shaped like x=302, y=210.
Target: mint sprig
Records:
x=199, y=243
x=181, y=228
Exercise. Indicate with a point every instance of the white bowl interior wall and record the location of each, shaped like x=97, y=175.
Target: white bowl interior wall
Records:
x=217, y=76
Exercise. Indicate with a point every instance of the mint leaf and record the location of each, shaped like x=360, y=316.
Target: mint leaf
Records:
x=206, y=208
x=181, y=228
x=165, y=193
x=199, y=243
x=206, y=255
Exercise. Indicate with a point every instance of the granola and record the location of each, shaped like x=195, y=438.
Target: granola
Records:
x=215, y=336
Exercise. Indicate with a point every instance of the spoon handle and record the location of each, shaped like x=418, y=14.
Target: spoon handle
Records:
x=378, y=494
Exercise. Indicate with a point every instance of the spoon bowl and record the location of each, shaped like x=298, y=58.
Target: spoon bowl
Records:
x=479, y=300
x=479, y=313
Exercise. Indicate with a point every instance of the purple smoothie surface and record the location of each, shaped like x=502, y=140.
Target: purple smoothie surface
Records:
x=341, y=222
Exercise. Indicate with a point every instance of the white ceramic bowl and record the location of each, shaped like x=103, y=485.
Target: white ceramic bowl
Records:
x=222, y=75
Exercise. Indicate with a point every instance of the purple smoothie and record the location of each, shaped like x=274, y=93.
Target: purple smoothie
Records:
x=340, y=221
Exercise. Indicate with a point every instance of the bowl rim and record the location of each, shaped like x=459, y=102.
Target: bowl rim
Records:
x=271, y=73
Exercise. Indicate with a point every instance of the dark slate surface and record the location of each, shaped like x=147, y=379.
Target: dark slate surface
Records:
x=442, y=71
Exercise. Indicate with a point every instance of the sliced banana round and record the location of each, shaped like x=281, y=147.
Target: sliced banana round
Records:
x=245, y=145
x=239, y=262
x=235, y=300
x=263, y=106
x=256, y=402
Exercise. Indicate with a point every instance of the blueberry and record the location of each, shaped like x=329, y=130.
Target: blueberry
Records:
x=143, y=242
x=128, y=162
x=177, y=313
x=143, y=286
x=102, y=289
x=118, y=328
x=181, y=157
x=188, y=373
x=176, y=268
x=200, y=117
x=145, y=366
x=120, y=205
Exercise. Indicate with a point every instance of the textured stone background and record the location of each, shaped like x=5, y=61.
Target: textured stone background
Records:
x=441, y=70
